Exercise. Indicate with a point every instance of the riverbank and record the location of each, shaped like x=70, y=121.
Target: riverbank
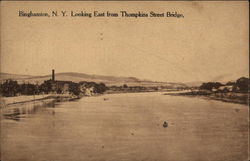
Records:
x=48, y=98
x=241, y=98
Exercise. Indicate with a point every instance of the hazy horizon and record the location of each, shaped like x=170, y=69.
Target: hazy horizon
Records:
x=209, y=44
x=48, y=74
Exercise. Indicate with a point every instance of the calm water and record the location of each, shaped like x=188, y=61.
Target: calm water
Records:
x=119, y=127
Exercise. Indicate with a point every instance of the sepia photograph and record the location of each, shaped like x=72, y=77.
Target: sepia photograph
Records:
x=124, y=80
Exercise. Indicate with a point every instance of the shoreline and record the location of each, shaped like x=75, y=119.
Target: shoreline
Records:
x=230, y=97
x=239, y=98
x=138, y=91
x=10, y=101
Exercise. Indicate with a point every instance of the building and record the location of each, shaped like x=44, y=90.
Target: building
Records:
x=228, y=88
x=87, y=91
x=59, y=86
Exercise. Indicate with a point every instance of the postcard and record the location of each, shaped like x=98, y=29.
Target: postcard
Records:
x=124, y=80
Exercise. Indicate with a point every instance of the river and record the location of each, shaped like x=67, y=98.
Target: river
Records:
x=126, y=127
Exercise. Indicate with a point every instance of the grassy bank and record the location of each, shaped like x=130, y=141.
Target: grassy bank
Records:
x=241, y=98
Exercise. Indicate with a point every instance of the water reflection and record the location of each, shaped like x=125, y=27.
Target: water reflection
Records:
x=15, y=115
x=23, y=111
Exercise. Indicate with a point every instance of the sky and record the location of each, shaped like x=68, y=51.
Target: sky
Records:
x=211, y=42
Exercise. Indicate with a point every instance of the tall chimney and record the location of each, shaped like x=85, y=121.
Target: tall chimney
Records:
x=53, y=75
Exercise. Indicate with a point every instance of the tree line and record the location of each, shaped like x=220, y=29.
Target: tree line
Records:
x=240, y=85
x=10, y=88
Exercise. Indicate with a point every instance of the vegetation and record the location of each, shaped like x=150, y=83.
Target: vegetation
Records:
x=11, y=88
x=28, y=89
x=210, y=85
x=46, y=86
x=236, y=92
x=98, y=87
x=240, y=85
x=74, y=88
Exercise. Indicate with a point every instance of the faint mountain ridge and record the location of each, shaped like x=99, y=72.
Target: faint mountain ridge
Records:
x=77, y=77
x=13, y=76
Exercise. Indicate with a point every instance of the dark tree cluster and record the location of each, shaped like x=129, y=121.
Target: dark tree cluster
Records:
x=46, y=86
x=74, y=88
x=210, y=85
x=98, y=87
x=11, y=88
x=240, y=85
x=29, y=89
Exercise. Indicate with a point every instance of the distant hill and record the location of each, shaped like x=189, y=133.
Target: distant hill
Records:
x=194, y=83
x=77, y=77
x=199, y=83
x=4, y=76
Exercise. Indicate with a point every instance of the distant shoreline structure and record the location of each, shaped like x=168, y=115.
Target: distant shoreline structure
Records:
x=87, y=85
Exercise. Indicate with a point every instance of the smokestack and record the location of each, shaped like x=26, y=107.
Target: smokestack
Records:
x=53, y=75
